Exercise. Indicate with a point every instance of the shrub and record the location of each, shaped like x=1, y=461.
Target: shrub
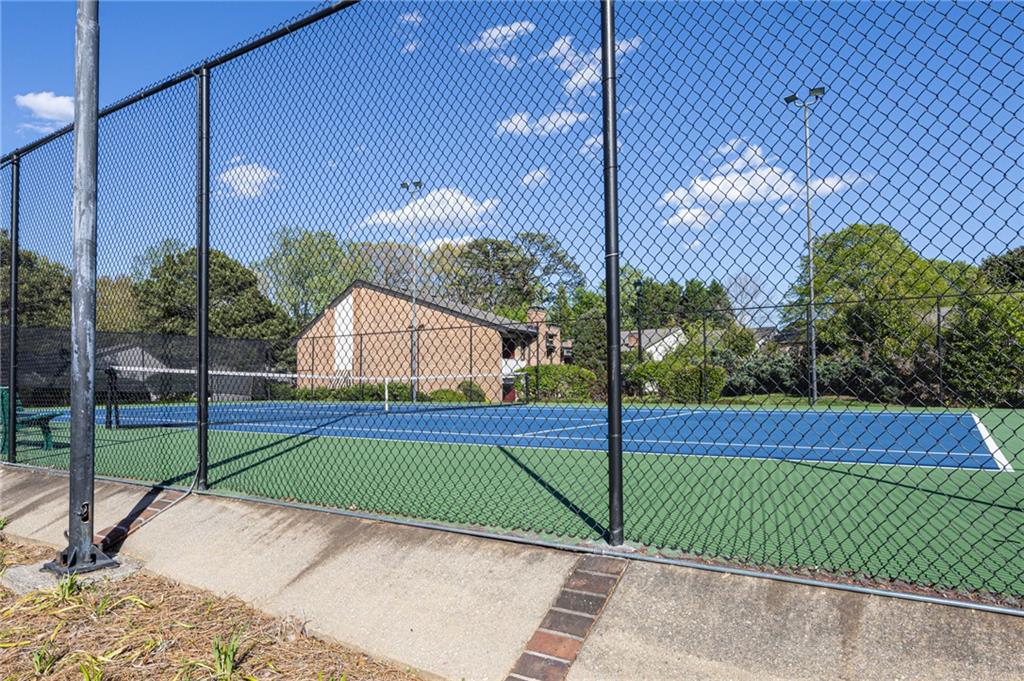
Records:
x=447, y=395
x=559, y=383
x=984, y=351
x=472, y=392
x=761, y=373
x=691, y=383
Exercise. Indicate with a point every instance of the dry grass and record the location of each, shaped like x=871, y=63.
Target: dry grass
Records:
x=149, y=627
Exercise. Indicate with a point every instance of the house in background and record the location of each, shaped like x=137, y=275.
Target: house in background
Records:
x=657, y=343
x=365, y=335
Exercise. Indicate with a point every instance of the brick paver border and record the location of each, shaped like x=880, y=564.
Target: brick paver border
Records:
x=553, y=648
x=112, y=537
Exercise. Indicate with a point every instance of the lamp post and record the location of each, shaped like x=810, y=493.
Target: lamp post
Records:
x=413, y=187
x=813, y=95
x=639, y=286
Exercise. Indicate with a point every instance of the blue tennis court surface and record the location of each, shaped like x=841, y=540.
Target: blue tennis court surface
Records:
x=941, y=440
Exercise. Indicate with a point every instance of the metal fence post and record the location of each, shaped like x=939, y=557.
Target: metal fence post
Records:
x=611, y=272
x=704, y=358
x=938, y=348
x=12, y=329
x=81, y=555
x=203, y=288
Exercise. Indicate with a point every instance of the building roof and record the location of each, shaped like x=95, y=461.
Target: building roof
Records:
x=482, y=317
x=652, y=336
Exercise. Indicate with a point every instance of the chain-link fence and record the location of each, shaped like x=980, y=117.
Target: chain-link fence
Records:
x=821, y=280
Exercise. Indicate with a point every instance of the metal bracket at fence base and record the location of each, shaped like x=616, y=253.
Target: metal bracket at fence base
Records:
x=68, y=562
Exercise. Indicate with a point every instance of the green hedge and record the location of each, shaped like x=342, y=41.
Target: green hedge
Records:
x=447, y=395
x=678, y=381
x=472, y=392
x=558, y=383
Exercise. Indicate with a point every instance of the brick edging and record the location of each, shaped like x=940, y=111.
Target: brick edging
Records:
x=553, y=648
x=113, y=536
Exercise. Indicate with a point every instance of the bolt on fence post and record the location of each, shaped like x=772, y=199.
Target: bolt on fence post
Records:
x=11, y=443
x=611, y=272
x=203, y=288
x=81, y=555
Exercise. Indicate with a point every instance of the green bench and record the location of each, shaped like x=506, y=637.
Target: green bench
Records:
x=26, y=419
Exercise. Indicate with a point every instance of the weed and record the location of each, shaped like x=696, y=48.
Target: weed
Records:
x=3, y=522
x=91, y=669
x=68, y=588
x=44, y=659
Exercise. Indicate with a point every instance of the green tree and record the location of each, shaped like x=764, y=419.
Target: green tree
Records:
x=553, y=267
x=44, y=288
x=117, y=307
x=304, y=270
x=490, y=274
x=983, y=363
x=1006, y=270
x=238, y=309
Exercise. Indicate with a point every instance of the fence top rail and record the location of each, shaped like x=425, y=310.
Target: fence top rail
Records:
x=192, y=71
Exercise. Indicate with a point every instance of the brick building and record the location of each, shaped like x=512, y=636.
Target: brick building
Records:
x=366, y=333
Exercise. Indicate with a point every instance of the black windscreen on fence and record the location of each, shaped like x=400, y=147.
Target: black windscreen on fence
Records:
x=821, y=254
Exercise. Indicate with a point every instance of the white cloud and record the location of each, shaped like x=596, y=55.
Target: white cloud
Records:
x=48, y=106
x=509, y=61
x=548, y=124
x=499, y=37
x=592, y=145
x=538, y=177
x=746, y=177
x=248, y=180
x=582, y=69
x=691, y=218
x=410, y=46
x=413, y=17
x=40, y=128
x=441, y=206
x=432, y=245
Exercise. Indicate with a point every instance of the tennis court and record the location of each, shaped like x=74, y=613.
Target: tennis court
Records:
x=939, y=440
x=903, y=495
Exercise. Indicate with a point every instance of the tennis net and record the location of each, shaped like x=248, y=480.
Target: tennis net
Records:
x=141, y=396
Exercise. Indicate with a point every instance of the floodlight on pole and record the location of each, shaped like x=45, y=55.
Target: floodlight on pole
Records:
x=413, y=187
x=814, y=94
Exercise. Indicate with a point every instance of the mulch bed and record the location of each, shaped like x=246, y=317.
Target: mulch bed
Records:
x=149, y=627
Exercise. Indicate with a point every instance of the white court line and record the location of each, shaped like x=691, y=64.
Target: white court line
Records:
x=592, y=452
x=599, y=423
x=993, y=448
x=702, y=443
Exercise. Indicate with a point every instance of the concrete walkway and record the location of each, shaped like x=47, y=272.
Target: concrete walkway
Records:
x=458, y=607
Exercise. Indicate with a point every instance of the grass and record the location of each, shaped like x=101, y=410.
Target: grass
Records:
x=951, y=529
x=152, y=628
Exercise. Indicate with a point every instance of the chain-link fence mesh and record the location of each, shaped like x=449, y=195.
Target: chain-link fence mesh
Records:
x=822, y=279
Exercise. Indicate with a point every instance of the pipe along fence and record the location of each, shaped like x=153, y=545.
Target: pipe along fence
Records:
x=737, y=283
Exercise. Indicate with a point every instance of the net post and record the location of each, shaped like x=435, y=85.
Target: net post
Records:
x=611, y=260
x=11, y=445
x=81, y=554
x=203, y=274
x=387, y=400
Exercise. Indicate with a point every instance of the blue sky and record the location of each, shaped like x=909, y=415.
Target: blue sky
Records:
x=496, y=108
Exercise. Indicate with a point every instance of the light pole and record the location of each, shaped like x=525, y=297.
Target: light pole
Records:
x=814, y=94
x=413, y=187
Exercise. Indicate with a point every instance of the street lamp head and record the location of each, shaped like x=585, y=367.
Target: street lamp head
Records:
x=790, y=99
x=817, y=92
x=415, y=184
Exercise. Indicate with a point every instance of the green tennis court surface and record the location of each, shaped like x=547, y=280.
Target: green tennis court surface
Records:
x=917, y=524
